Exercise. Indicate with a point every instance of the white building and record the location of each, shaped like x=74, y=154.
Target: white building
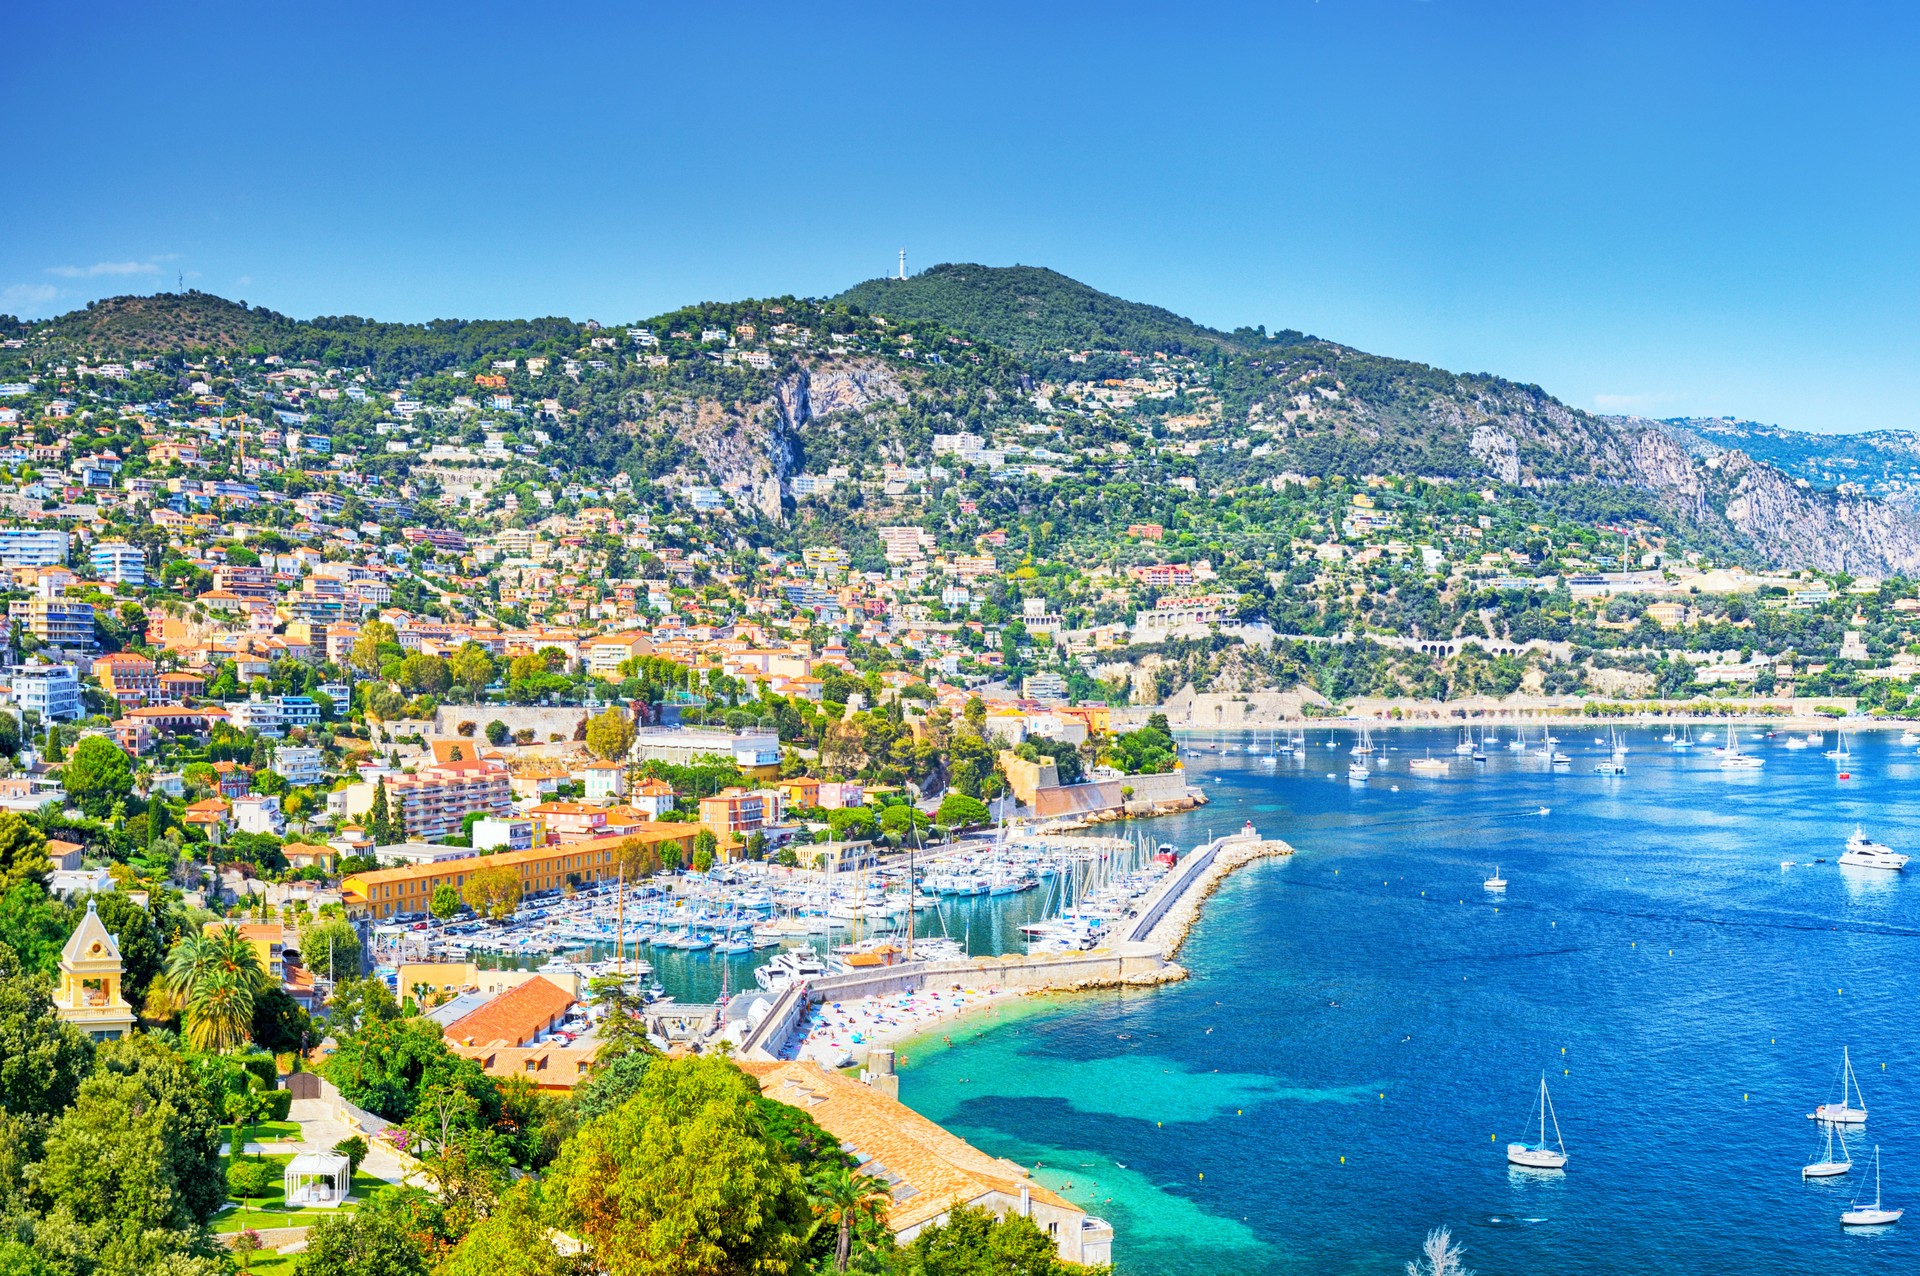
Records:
x=262, y=716
x=259, y=813
x=491, y=833
x=119, y=563
x=299, y=766
x=52, y=691
x=32, y=547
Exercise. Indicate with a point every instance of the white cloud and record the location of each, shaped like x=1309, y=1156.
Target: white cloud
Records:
x=27, y=300
x=105, y=268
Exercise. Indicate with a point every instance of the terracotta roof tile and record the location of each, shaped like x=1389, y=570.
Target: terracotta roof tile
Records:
x=514, y=1017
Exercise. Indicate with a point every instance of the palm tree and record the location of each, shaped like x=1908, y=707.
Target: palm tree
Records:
x=216, y=978
x=844, y=1198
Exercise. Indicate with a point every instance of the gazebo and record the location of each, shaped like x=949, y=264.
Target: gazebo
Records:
x=319, y=1179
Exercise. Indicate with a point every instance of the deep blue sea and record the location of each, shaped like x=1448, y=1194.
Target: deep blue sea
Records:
x=1366, y=1027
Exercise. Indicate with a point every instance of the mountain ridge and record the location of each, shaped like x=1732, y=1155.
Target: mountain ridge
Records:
x=1261, y=406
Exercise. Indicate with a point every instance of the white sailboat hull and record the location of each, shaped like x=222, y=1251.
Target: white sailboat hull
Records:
x=1535, y=1158
x=1826, y=1169
x=1870, y=1218
x=1838, y=1114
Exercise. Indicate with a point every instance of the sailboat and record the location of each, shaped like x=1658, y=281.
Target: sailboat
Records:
x=1541, y=1155
x=1828, y=1165
x=1685, y=741
x=1465, y=747
x=1877, y=1214
x=1363, y=747
x=1842, y=1112
x=1496, y=882
x=1616, y=763
x=1428, y=765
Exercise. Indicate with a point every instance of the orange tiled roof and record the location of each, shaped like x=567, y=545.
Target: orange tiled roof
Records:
x=549, y=1067
x=512, y=1017
x=943, y=1168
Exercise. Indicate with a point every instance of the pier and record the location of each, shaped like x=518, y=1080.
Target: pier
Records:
x=1142, y=957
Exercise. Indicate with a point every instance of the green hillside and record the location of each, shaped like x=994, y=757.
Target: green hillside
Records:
x=1032, y=310
x=169, y=323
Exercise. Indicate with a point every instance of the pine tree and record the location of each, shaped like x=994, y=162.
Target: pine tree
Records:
x=380, y=820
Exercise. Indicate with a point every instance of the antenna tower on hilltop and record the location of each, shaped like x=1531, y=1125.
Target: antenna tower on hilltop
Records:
x=903, y=263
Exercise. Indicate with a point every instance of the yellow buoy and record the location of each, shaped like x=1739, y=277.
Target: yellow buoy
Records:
x=1563, y=1049
x=1343, y=1160
x=1203, y=1176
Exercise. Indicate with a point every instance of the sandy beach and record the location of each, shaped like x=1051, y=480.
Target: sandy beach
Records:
x=835, y=1032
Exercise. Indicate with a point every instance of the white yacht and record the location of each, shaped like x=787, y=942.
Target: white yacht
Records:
x=1541, y=1155
x=1863, y=852
x=1429, y=765
x=1357, y=770
x=1876, y=1214
x=801, y=964
x=1734, y=760
x=1496, y=882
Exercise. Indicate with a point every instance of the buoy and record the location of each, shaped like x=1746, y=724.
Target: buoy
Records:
x=1203, y=1176
x=1343, y=1160
x=1745, y=1098
x=1563, y=1049
x=1493, y=1138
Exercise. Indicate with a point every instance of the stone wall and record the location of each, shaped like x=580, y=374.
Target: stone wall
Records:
x=542, y=720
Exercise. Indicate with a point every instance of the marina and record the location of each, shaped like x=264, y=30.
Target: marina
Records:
x=1367, y=999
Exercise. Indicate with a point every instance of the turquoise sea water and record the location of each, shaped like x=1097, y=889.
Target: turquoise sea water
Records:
x=1687, y=997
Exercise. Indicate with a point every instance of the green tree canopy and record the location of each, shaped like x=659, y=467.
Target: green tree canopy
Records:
x=23, y=852
x=610, y=734
x=680, y=1180
x=98, y=775
x=42, y=1059
x=132, y=1170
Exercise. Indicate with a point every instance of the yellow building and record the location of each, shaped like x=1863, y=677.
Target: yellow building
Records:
x=386, y=891
x=441, y=979
x=90, y=996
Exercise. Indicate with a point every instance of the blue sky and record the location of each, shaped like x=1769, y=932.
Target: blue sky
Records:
x=1656, y=207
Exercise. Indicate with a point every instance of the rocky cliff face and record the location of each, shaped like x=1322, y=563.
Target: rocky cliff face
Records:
x=1787, y=524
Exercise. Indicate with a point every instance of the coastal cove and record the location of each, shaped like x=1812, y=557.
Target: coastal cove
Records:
x=1365, y=999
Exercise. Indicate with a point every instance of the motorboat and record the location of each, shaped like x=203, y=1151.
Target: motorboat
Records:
x=1734, y=760
x=1541, y=1155
x=1428, y=765
x=1357, y=770
x=801, y=964
x=1862, y=852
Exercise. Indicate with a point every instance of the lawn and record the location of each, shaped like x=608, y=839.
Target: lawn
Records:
x=267, y=1263
x=267, y=1132
x=270, y=1209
